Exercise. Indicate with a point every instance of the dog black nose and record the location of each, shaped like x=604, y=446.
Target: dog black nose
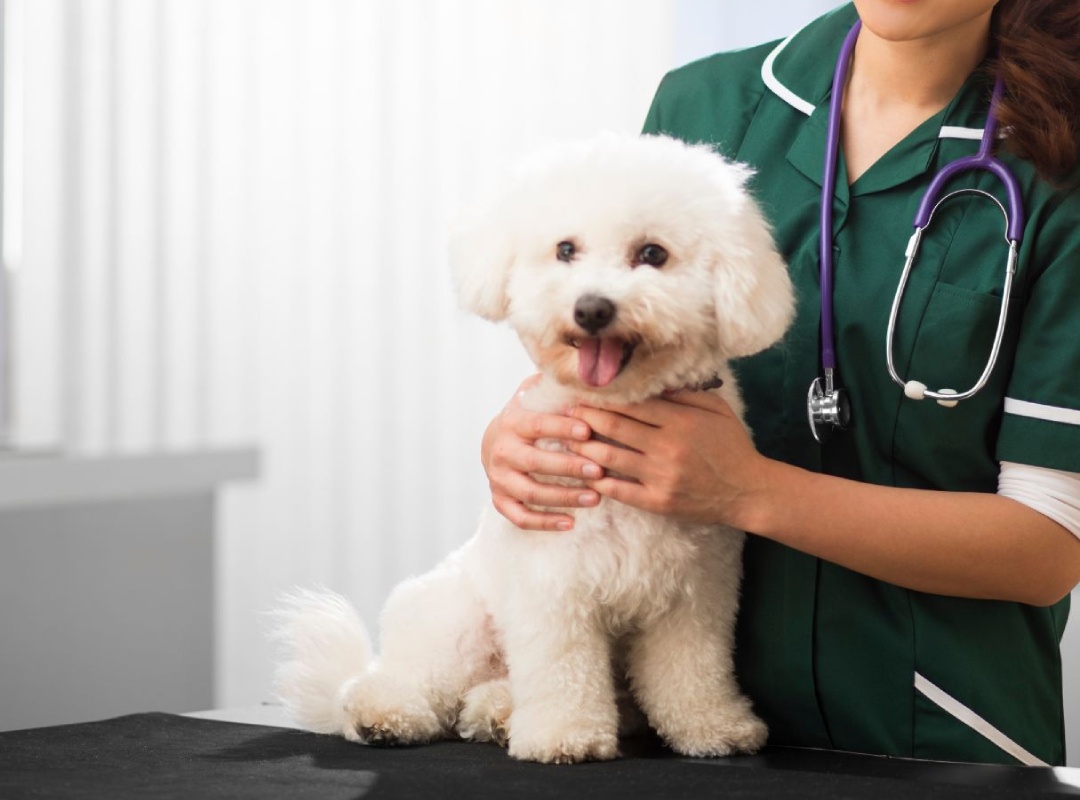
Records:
x=593, y=312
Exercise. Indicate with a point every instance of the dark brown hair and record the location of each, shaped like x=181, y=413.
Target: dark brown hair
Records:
x=1038, y=57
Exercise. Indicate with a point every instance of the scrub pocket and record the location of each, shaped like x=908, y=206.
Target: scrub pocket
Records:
x=953, y=446
x=954, y=338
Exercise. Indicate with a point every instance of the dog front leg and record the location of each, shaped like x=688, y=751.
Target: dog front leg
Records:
x=682, y=673
x=563, y=692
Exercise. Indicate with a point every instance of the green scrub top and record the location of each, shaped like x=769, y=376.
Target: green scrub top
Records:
x=832, y=658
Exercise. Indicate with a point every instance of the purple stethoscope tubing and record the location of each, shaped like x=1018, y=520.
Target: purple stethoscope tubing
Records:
x=823, y=401
x=984, y=160
x=828, y=190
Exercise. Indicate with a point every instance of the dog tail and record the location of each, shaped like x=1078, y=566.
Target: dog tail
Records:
x=324, y=646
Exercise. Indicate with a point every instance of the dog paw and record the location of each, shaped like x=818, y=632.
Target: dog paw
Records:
x=571, y=748
x=384, y=715
x=731, y=734
x=393, y=730
x=485, y=713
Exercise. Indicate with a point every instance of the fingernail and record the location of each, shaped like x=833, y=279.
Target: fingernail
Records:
x=591, y=471
x=564, y=526
x=580, y=431
x=588, y=498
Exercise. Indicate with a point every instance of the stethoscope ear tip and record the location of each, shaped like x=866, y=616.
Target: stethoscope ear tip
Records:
x=947, y=403
x=916, y=390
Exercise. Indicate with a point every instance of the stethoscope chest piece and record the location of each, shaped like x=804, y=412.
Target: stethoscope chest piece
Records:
x=827, y=409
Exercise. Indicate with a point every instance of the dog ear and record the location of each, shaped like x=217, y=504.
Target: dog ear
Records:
x=481, y=255
x=755, y=302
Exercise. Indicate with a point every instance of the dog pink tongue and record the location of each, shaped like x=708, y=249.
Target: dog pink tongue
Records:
x=599, y=360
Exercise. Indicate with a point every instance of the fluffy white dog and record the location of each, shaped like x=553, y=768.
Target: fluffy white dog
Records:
x=627, y=266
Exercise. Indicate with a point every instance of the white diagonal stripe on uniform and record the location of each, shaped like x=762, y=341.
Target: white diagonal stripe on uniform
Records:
x=955, y=708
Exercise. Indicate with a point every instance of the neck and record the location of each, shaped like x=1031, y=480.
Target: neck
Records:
x=921, y=73
x=894, y=85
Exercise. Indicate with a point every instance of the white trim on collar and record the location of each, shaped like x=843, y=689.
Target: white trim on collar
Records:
x=768, y=75
x=781, y=91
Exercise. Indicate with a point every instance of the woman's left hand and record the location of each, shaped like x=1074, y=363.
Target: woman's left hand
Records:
x=688, y=456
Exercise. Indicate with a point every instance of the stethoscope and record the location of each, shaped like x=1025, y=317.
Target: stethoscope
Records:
x=828, y=407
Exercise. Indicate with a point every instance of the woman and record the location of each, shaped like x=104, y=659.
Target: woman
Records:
x=896, y=600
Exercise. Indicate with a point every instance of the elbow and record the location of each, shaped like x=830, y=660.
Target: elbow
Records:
x=1063, y=590
x=1046, y=598
x=1056, y=573
x=1040, y=594
x=1054, y=589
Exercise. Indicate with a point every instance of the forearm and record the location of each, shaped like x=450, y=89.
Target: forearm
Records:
x=955, y=543
x=689, y=456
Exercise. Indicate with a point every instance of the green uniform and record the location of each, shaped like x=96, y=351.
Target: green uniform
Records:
x=832, y=658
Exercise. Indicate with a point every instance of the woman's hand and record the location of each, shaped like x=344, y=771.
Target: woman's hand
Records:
x=511, y=459
x=688, y=457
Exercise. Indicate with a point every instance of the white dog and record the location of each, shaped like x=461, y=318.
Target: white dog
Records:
x=627, y=266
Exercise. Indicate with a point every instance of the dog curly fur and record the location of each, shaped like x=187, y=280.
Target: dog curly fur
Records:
x=528, y=638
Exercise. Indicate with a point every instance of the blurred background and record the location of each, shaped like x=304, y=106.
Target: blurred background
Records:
x=224, y=237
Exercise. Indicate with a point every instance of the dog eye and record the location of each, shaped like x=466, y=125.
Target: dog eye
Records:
x=652, y=254
x=564, y=251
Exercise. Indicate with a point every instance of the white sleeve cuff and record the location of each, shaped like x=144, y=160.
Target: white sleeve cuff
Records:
x=1054, y=493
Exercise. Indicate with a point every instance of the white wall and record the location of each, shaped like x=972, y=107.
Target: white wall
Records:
x=1070, y=654
x=76, y=647
x=710, y=26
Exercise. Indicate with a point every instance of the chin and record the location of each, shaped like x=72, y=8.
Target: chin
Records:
x=898, y=21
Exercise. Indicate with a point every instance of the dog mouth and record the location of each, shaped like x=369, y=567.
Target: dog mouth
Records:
x=601, y=358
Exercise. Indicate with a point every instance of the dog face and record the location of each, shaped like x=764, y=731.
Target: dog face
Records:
x=627, y=265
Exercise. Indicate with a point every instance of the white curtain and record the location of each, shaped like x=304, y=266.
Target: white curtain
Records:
x=233, y=232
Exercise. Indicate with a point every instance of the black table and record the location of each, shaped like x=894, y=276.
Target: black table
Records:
x=167, y=756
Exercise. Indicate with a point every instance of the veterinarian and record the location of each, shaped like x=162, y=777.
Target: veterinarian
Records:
x=908, y=582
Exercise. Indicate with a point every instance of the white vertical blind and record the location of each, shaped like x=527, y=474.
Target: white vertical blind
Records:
x=36, y=334
x=234, y=231
x=89, y=360
x=5, y=339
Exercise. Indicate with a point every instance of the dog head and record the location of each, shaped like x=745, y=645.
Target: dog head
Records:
x=627, y=265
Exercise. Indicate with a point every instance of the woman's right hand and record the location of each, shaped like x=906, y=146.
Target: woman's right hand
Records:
x=511, y=459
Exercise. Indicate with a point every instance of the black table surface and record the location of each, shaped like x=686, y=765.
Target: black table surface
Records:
x=167, y=756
